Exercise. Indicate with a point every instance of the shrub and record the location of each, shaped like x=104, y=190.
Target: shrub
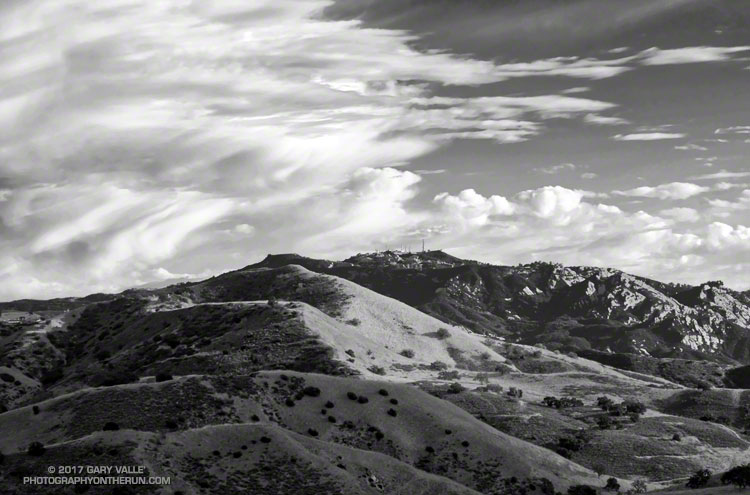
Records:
x=354, y=322
x=599, y=469
x=407, y=353
x=443, y=333
x=351, y=395
x=604, y=422
x=612, y=485
x=604, y=403
x=349, y=352
x=634, y=406
x=383, y=392
x=448, y=375
x=639, y=486
x=313, y=432
x=362, y=399
x=392, y=412
x=35, y=410
x=438, y=366
x=738, y=476
x=110, y=426
x=272, y=302
x=289, y=403
x=394, y=401
x=378, y=370
x=163, y=377
x=456, y=388
x=36, y=449
x=581, y=490
x=676, y=437
x=171, y=424
x=699, y=479
x=311, y=391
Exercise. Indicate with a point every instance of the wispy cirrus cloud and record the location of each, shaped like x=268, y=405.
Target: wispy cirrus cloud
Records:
x=648, y=136
x=689, y=55
x=556, y=169
x=722, y=174
x=592, y=118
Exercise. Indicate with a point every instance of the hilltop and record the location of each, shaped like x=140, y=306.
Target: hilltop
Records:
x=383, y=373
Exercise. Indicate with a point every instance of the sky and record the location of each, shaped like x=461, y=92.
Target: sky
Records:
x=143, y=141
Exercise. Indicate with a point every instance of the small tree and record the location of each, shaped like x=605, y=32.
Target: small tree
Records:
x=443, y=333
x=599, y=469
x=612, y=485
x=699, y=479
x=456, y=388
x=36, y=449
x=639, y=486
x=738, y=476
x=604, y=422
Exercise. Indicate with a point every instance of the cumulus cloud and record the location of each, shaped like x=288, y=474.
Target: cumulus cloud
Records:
x=681, y=214
x=673, y=190
x=648, y=136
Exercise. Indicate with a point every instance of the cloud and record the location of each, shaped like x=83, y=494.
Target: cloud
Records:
x=244, y=228
x=688, y=55
x=722, y=174
x=738, y=129
x=673, y=190
x=431, y=172
x=470, y=208
x=681, y=214
x=589, y=175
x=592, y=118
x=158, y=130
x=556, y=169
x=648, y=136
x=691, y=147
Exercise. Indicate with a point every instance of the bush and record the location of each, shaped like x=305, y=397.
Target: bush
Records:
x=438, y=366
x=378, y=370
x=581, y=490
x=449, y=375
x=604, y=403
x=612, y=485
x=311, y=391
x=110, y=426
x=163, y=377
x=639, y=486
x=36, y=449
x=738, y=476
x=407, y=353
x=443, y=333
x=676, y=437
x=604, y=422
x=35, y=410
x=699, y=479
x=351, y=395
x=456, y=388
x=383, y=392
x=392, y=412
x=355, y=322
